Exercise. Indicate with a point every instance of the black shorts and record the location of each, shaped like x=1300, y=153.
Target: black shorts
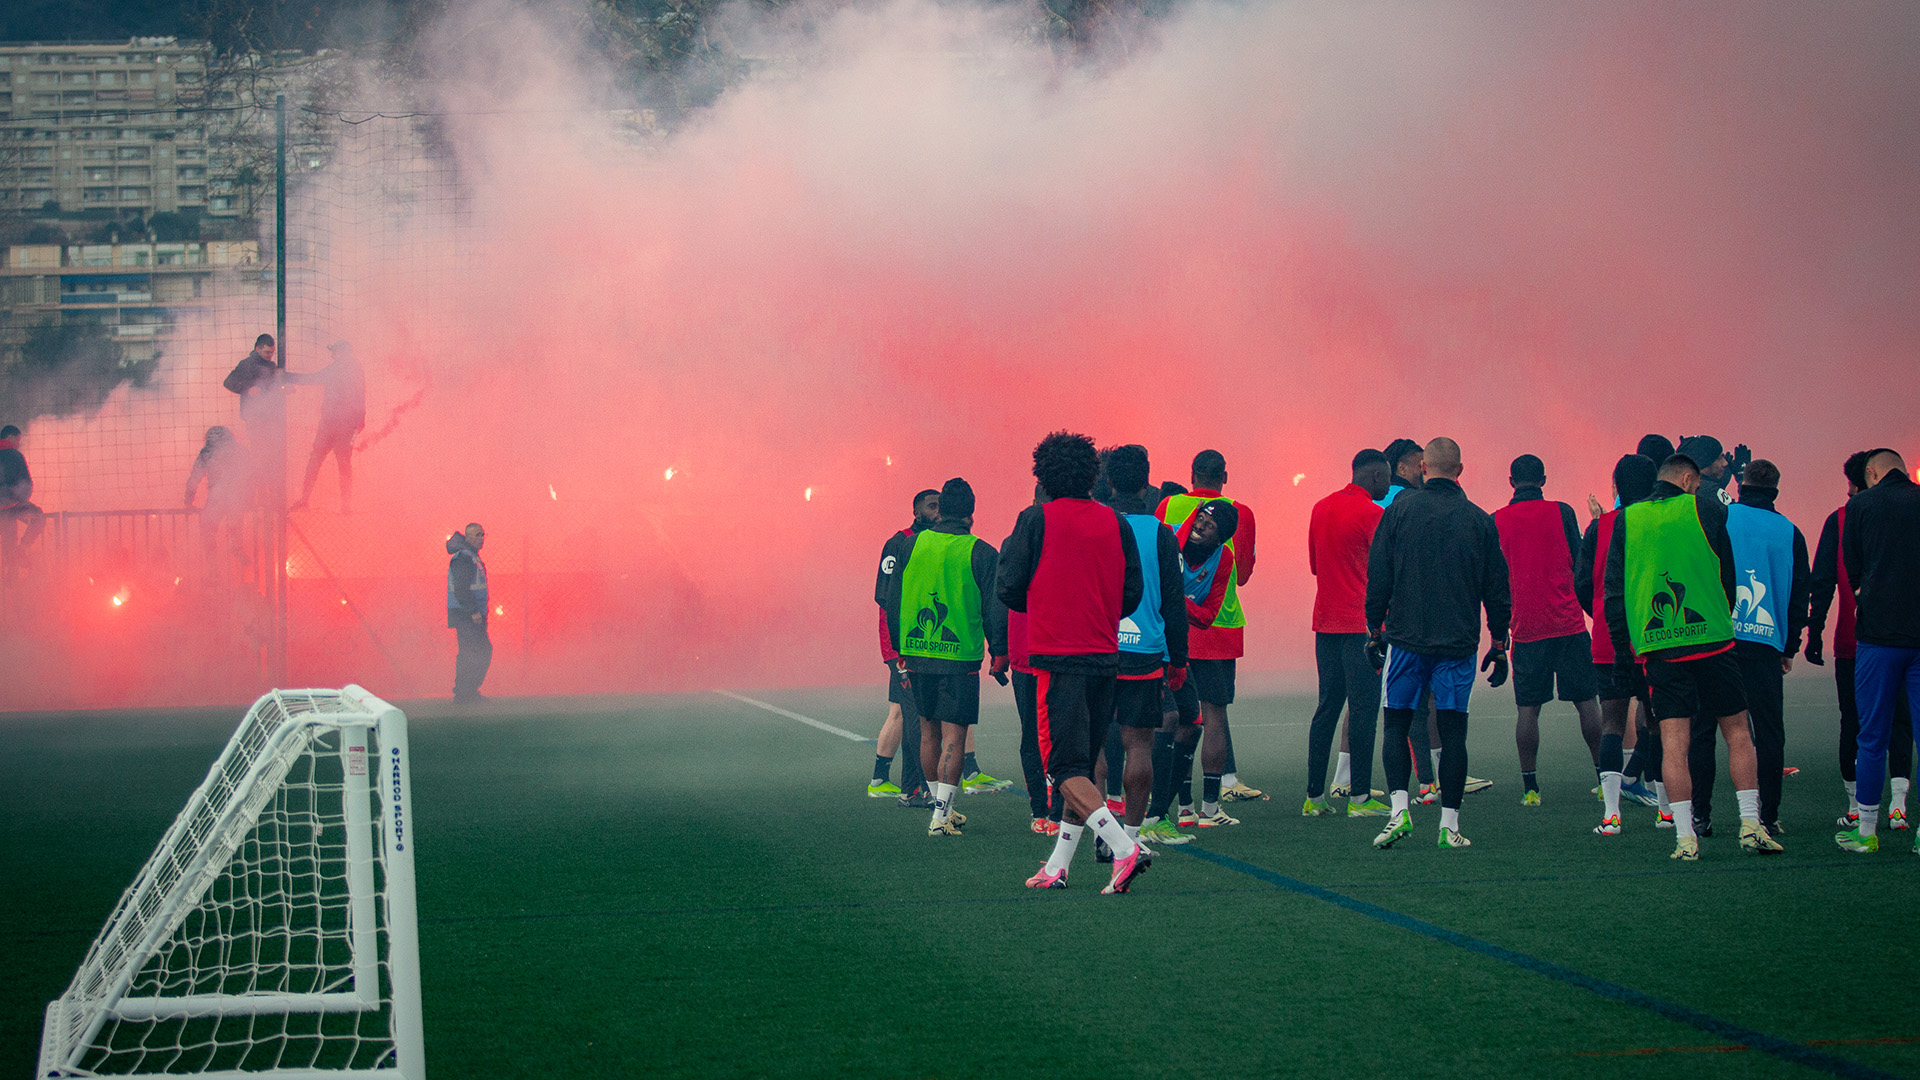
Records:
x=1212, y=680
x=1184, y=702
x=897, y=691
x=1538, y=665
x=1709, y=686
x=1617, y=687
x=947, y=699
x=1074, y=713
x=1136, y=702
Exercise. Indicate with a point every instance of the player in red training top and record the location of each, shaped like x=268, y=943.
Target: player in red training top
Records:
x=1073, y=566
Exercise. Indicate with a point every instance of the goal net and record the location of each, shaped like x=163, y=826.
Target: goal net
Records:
x=272, y=932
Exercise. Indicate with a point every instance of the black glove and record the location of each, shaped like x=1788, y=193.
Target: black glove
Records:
x=998, y=669
x=1816, y=651
x=1496, y=659
x=1376, y=651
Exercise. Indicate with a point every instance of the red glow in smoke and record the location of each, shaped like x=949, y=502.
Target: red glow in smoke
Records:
x=1285, y=232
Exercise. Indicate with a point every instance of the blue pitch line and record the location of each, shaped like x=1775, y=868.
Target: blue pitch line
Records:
x=1768, y=867
x=1784, y=1049
x=1044, y=896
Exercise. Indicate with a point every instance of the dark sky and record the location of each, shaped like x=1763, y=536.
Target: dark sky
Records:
x=67, y=20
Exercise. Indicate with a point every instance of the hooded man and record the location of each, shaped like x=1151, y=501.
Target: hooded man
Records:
x=467, y=612
x=343, y=412
x=1769, y=614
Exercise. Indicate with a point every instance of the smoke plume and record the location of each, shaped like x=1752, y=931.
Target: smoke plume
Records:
x=690, y=381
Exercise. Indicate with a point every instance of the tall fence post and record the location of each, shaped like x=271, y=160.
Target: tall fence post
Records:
x=277, y=662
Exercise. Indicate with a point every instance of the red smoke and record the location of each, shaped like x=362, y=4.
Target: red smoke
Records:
x=1285, y=232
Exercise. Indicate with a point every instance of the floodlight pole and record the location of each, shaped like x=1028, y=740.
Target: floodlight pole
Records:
x=278, y=664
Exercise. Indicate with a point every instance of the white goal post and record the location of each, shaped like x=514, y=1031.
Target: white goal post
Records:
x=272, y=933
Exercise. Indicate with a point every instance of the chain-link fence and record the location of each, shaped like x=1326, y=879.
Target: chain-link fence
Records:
x=128, y=592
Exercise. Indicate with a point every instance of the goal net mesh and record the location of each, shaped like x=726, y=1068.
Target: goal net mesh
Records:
x=255, y=939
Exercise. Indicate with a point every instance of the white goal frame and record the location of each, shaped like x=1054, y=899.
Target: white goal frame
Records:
x=277, y=731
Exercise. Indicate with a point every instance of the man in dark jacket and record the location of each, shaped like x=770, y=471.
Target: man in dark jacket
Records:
x=1769, y=615
x=1881, y=549
x=1073, y=566
x=16, y=502
x=900, y=731
x=1829, y=579
x=943, y=619
x=1669, y=603
x=263, y=406
x=467, y=612
x=1435, y=562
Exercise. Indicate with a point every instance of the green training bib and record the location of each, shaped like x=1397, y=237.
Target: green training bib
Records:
x=1674, y=597
x=940, y=601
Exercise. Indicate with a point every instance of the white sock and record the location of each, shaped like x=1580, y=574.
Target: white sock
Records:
x=1436, y=765
x=1144, y=822
x=1900, y=784
x=1401, y=802
x=1869, y=820
x=942, y=802
x=1749, y=804
x=1449, y=819
x=1108, y=828
x=1133, y=832
x=1610, y=791
x=1853, y=804
x=1660, y=792
x=1208, y=809
x=1064, y=846
x=1343, y=770
x=1229, y=781
x=1683, y=817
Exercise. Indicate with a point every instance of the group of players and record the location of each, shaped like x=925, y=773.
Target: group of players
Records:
x=1114, y=608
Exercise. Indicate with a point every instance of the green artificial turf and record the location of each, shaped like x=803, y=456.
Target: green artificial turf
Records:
x=691, y=886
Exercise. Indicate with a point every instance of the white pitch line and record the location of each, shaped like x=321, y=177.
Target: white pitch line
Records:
x=791, y=715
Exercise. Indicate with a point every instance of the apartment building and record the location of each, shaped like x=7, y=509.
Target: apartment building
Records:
x=114, y=126
x=134, y=292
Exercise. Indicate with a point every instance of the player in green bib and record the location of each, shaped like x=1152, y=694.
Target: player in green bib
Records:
x=1669, y=601
x=944, y=619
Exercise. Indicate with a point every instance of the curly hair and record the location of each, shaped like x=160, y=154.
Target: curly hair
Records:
x=1066, y=463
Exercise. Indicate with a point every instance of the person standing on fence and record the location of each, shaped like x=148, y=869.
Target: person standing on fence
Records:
x=259, y=382
x=467, y=612
x=16, y=501
x=225, y=468
x=343, y=413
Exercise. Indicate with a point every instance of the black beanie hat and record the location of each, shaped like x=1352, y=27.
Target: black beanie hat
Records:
x=1224, y=514
x=956, y=499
